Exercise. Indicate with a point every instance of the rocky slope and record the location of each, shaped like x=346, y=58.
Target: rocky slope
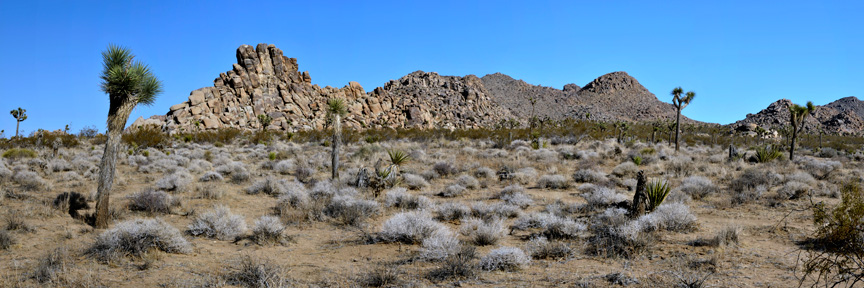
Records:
x=514, y=95
x=616, y=96
x=844, y=116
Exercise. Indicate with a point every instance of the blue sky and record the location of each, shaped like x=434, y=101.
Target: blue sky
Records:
x=739, y=56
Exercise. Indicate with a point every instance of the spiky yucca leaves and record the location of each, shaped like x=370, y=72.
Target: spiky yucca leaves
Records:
x=797, y=115
x=127, y=83
x=679, y=103
x=656, y=191
x=767, y=154
x=398, y=157
x=336, y=109
x=19, y=115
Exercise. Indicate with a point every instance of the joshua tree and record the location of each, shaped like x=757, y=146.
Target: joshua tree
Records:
x=798, y=114
x=127, y=83
x=655, y=127
x=265, y=120
x=622, y=128
x=335, y=110
x=679, y=103
x=19, y=115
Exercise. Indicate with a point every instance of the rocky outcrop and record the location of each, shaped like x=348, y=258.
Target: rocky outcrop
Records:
x=844, y=116
x=263, y=81
x=617, y=96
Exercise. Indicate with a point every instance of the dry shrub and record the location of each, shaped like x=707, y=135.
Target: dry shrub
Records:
x=409, y=228
x=137, y=237
x=152, y=201
x=218, y=223
x=147, y=136
x=6, y=240
x=835, y=254
x=256, y=273
x=504, y=259
x=458, y=265
x=51, y=265
x=540, y=248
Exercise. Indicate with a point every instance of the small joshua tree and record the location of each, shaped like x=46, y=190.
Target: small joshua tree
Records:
x=19, y=115
x=798, y=114
x=265, y=120
x=679, y=103
x=335, y=111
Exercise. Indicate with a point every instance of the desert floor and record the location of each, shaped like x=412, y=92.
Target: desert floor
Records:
x=727, y=223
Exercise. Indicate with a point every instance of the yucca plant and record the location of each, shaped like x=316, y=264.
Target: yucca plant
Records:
x=679, y=103
x=336, y=109
x=797, y=115
x=656, y=191
x=127, y=83
x=767, y=154
x=398, y=157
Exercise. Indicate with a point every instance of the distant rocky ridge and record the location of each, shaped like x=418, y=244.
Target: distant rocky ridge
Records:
x=616, y=96
x=844, y=116
x=263, y=81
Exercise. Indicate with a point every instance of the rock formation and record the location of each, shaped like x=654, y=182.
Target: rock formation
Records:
x=263, y=81
x=844, y=116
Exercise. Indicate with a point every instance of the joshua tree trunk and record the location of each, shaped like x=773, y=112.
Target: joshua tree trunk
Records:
x=792, y=145
x=107, y=168
x=637, y=208
x=17, y=123
x=677, y=128
x=653, y=133
x=337, y=138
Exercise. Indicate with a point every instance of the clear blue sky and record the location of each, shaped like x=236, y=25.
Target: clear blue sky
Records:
x=739, y=56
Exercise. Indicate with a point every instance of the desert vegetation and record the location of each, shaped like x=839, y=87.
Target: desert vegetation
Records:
x=433, y=208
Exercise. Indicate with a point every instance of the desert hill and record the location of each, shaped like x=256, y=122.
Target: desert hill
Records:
x=843, y=116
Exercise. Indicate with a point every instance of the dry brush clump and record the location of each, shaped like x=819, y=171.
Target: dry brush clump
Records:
x=138, y=237
x=268, y=230
x=409, y=228
x=218, y=223
x=152, y=201
x=250, y=272
x=504, y=259
x=401, y=199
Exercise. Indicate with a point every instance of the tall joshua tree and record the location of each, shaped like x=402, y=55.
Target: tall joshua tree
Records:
x=127, y=83
x=798, y=114
x=335, y=111
x=679, y=103
x=19, y=115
